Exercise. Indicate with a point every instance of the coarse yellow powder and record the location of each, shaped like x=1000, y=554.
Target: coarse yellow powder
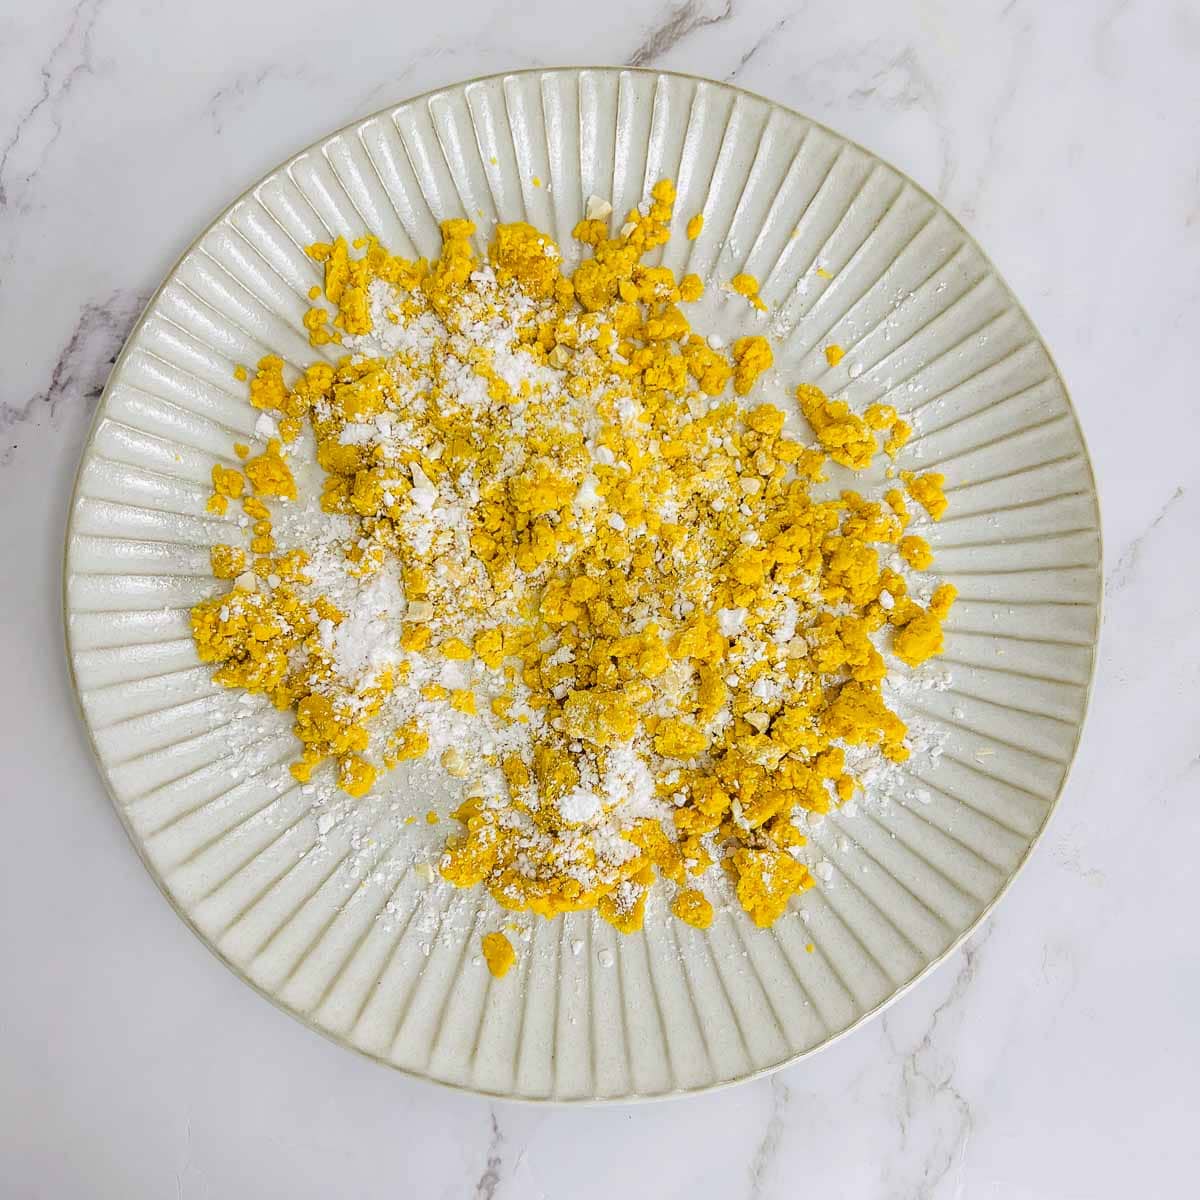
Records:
x=926, y=490
x=747, y=285
x=498, y=953
x=627, y=585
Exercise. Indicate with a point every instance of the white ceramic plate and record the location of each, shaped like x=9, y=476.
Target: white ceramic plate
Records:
x=330, y=925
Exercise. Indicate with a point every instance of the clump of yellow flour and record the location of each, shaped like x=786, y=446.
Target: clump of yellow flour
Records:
x=672, y=642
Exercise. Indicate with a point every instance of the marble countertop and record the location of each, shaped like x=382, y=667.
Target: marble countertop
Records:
x=1056, y=1054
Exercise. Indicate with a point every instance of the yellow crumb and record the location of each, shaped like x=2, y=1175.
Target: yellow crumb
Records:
x=693, y=908
x=845, y=435
x=915, y=551
x=269, y=473
x=880, y=416
x=927, y=491
x=834, y=354
x=899, y=434
x=355, y=776
x=918, y=640
x=227, y=482
x=407, y=742
x=228, y=562
x=752, y=356
x=694, y=227
x=747, y=285
x=498, y=953
x=942, y=599
x=766, y=881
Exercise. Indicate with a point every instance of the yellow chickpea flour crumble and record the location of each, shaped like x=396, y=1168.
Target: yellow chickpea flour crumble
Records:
x=498, y=953
x=562, y=555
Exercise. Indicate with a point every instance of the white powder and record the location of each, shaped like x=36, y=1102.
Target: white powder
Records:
x=368, y=640
x=731, y=621
x=580, y=806
x=629, y=782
